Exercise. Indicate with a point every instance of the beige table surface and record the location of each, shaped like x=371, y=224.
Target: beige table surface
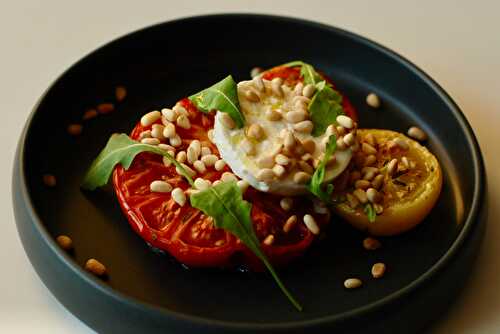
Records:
x=457, y=43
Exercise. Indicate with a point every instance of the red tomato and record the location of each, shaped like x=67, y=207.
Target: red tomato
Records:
x=185, y=232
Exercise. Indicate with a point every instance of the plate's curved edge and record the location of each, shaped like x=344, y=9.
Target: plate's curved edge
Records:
x=470, y=221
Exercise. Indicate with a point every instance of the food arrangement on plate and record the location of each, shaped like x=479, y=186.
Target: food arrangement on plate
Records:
x=250, y=173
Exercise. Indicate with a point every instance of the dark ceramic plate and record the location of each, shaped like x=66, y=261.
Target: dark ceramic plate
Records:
x=148, y=292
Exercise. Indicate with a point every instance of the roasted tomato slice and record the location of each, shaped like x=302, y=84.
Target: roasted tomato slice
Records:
x=185, y=232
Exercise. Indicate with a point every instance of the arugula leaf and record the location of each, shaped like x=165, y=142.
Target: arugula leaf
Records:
x=224, y=202
x=314, y=186
x=120, y=149
x=370, y=212
x=222, y=96
x=307, y=71
x=324, y=108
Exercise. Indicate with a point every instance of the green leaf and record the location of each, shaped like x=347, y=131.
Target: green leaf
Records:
x=120, y=149
x=370, y=212
x=316, y=183
x=224, y=202
x=310, y=75
x=324, y=108
x=222, y=96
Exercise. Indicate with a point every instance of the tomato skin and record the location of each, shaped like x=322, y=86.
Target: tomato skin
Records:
x=185, y=232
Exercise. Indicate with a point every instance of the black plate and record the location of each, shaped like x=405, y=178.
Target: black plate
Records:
x=145, y=291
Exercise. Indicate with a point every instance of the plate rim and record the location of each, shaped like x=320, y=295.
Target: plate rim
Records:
x=470, y=221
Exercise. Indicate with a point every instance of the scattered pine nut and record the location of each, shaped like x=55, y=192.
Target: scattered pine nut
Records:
x=75, y=129
x=159, y=186
x=352, y=283
x=95, y=267
x=178, y=196
x=49, y=180
x=269, y=240
x=150, y=118
x=219, y=165
x=378, y=270
x=120, y=93
x=373, y=100
x=417, y=133
x=65, y=242
x=290, y=223
x=105, y=108
x=345, y=121
x=370, y=243
x=286, y=203
x=311, y=224
x=89, y=114
x=255, y=72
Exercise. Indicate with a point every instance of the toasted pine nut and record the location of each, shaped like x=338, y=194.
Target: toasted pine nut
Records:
x=349, y=139
x=345, y=121
x=378, y=181
x=266, y=161
x=191, y=155
x=282, y=159
x=352, y=283
x=286, y=203
x=306, y=167
x=360, y=194
x=340, y=130
x=105, y=108
x=341, y=145
x=378, y=208
x=369, y=175
x=95, y=267
x=299, y=88
x=269, y=240
x=65, y=242
x=265, y=175
x=373, y=195
x=401, y=143
x=290, y=223
x=159, y=186
x=205, y=151
x=273, y=115
x=201, y=184
x=243, y=185
x=150, y=141
x=252, y=96
x=247, y=147
x=183, y=122
x=89, y=114
x=368, y=149
x=258, y=83
x=180, y=110
x=308, y=90
x=373, y=100
x=178, y=196
x=304, y=126
x=276, y=86
x=296, y=116
x=417, y=133
x=157, y=131
x=228, y=177
x=150, y=118
x=405, y=162
x=145, y=134
x=289, y=140
x=311, y=224
x=370, y=243
x=169, y=130
x=219, y=165
x=301, y=177
x=175, y=141
x=169, y=114
x=362, y=184
x=370, y=160
x=279, y=170
x=255, y=131
x=209, y=159
x=181, y=157
x=378, y=270
x=392, y=166
x=199, y=166
x=352, y=201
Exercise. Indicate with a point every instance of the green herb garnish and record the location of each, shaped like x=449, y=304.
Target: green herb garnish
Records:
x=316, y=183
x=324, y=108
x=307, y=71
x=370, y=212
x=224, y=202
x=222, y=96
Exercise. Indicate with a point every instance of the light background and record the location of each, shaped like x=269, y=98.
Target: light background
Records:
x=456, y=42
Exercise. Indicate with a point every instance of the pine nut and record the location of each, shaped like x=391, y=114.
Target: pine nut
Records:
x=252, y=96
x=391, y=166
x=216, y=182
x=373, y=100
x=209, y=159
x=180, y=110
x=405, y=162
x=378, y=208
x=299, y=88
x=370, y=160
x=369, y=175
x=120, y=93
x=169, y=114
x=65, y=242
x=417, y=133
x=273, y=115
x=219, y=165
x=266, y=161
x=247, y=147
x=290, y=223
x=201, y=184
x=89, y=114
x=308, y=90
x=352, y=201
x=378, y=270
x=340, y=130
x=183, y=122
x=150, y=118
x=254, y=73
x=265, y=175
x=306, y=167
x=105, y=108
x=188, y=170
x=75, y=129
x=279, y=170
x=370, y=243
x=289, y=140
x=367, y=169
x=362, y=184
x=370, y=139
x=145, y=134
x=159, y=186
x=166, y=161
x=352, y=283
x=373, y=195
x=309, y=146
x=304, y=126
x=301, y=177
x=150, y=141
x=378, y=181
x=269, y=240
x=345, y=121
x=243, y=185
x=95, y=267
x=301, y=101
x=228, y=177
x=341, y=145
x=368, y=149
x=178, y=196
x=157, y=131
x=311, y=224
x=175, y=141
x=286, y=203
x=199, y=166
x=169, y=131
x=255, y=131
x=354, y=176
x=258, y=83
x=282, y=159
x=191, y=155
x=401, y=143
x=276, y=86
x=205, y=151
x=360, y=194
x=181, y=157
x=296, y=116
x=226, y=120
x=349, y=139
